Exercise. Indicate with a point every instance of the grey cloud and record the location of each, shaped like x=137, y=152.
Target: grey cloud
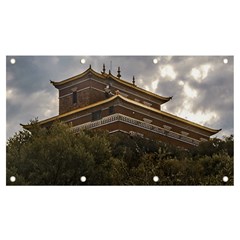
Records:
x=29, y=79
x=215, y=92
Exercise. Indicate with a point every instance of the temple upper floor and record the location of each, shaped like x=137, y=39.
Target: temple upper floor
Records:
x=90, y=87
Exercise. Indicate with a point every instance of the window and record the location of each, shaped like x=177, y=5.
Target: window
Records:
x=74, y=97
x=96, y=115
x=111, y=110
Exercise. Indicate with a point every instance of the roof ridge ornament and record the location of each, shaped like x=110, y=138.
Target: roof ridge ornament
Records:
x=119, y=71
x=133, y=81
x=104, y=69
x=104, y=76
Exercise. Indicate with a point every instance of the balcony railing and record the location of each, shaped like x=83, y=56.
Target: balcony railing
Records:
x=135, y=122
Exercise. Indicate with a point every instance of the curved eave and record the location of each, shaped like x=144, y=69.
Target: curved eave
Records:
x=104, y=76
x=58, y=117
x=56, y=84
x=164, y=99
x=210, y=130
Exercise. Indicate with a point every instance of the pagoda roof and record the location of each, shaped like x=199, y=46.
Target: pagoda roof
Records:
x=107, y=76
x=59, y=117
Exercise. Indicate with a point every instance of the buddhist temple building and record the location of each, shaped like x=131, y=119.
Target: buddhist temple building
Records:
x=96, y=100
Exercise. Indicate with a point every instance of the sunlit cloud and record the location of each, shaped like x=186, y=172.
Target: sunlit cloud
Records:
x=154, y=85
x=167, y=71
x=147, y=87
x=201, y=73
x=181, y=83
x=205, y=69
x=199, y=117
x=190, y=92
x=196, y=74
x=164, y=107
x=140, y=82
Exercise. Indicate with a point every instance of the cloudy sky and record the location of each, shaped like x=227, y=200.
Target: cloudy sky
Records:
x=201, y=86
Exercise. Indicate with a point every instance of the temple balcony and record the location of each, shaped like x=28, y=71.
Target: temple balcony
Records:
x=117, y=117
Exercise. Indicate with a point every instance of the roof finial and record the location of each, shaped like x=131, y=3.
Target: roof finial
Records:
x=109, y=71
x=119, y=71
x=133, y=81
x=104, y=69
x=90, y=66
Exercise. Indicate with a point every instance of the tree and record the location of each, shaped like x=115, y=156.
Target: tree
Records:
x=59, y=156
x=215, y=145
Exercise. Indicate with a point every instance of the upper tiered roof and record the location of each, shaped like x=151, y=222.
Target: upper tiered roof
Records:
x=104, y=75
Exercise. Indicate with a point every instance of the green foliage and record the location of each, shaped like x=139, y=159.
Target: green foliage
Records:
x=58, y=156
x=214, y=146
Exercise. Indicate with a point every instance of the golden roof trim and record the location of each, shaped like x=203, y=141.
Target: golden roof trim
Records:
x=104, y=76
x=171, y=115
x=76, y=77
x=73, y=111
x=130, y=101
